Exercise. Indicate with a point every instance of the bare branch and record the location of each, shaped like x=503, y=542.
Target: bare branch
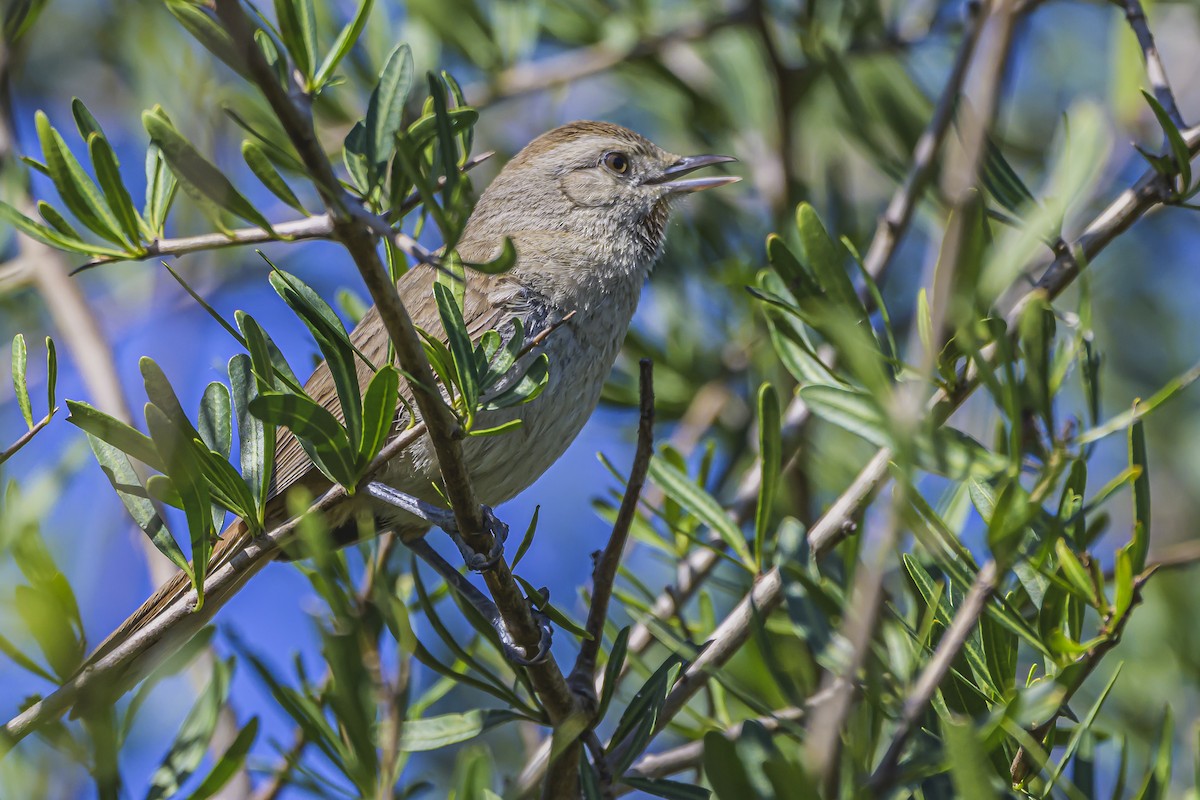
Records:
x=1155, y=71
x=26, y=437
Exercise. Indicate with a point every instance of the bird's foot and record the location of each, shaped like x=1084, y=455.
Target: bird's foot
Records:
x=487, y=609
x=517, y=653
x=444, y=519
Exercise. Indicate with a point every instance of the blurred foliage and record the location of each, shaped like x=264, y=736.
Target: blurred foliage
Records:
x=1075, y=677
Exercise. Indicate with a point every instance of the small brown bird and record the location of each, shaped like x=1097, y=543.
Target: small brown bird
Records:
x=586, y=206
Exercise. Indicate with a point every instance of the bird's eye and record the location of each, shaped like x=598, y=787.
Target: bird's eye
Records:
x=617, y=162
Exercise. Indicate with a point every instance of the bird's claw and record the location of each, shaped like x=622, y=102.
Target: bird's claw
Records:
x=517, y=653
x=482, y=562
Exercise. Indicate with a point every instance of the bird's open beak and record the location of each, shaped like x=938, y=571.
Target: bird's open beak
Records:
x=673, y=181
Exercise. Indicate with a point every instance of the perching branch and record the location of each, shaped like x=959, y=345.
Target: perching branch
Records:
x=26, y=437
x=358, y=238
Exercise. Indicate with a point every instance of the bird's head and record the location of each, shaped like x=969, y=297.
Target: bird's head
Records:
x=595, y=182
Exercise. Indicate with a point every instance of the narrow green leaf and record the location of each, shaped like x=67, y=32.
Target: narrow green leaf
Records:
x=51, y=375
x=827, y=262
x=161, y=187
x=228, y=764
x=683, y=490
x=260, y=164
x=969, y=767
x=297, y=27
x=57, y=221
x=1179, y=148
x=108, y=173
x=256, y=441
x=115, y=432
x=199, y=22
x=612, y=670
x=77, y=190
x=379, y=412
x=385, y=108
x=173, y=439
x=47, y=235
x=214, y=421
x=191, y=743
x=1141, y=408
x=1139, y=544
x=43, y=616
x=527, y=539
x=770, y=450
x=331, y=449
x=345, y=40
x=432, y=733
x=124, y=479
x=466, y=377
x=20, y=386
x=196, y=172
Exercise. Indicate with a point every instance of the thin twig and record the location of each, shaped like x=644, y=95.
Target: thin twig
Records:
x=319, y=226
x=948, y=648
x=604, y=573
x=1155, y=71
x=893, y=224
x=26, y=437
x=359, y=240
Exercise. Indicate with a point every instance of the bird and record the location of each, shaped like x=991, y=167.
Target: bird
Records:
x=586, y=207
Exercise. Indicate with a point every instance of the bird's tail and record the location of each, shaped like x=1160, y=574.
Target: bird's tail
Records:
x=152, y=650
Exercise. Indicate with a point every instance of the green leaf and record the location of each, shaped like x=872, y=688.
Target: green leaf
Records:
x=196, y=20
x=215, y=426
x=161, y=187
x=1179, y=148
x=51, y=374
x=195, y=733
x=19, y=17
x=640, y=718
x=84, y=120
x=332, y=340
x=173, y=439
x=1157, y=782
x=770, y=450
x=121, y=475
x=108, y=173
x=968, y=761
x=256, y=442
x=297, y=27
x=47, y=235
x=527, y=539
x=532, y=381
x=683, y=490
x=229, y=763
x=466, y=375
x=1140, y=409
x=612, y=670
x=197, y=173
x=331, y=449
x=57, y=221
x=42, y=613
x=345, y=40
x=662, y=787
x=432, y=733
x=385, y=109
x=115, y=432
x=1139, y=543
x=379, y=412
x=20, y=386
x=260, y=164
x=74, y=186
x=827, y=261
x=445, y=137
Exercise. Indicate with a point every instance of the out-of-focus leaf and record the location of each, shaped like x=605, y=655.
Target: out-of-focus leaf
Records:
x=229, y=763
x=1140, y=409
x=197, y=21
x=432, y=733
x=662, y=787
x=42, y=613
x=345, y=41
x=683, y=490
x=1139, y=543
x=191, y=742
x=968, y=761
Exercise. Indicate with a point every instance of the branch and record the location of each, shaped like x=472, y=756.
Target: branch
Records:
x=604, y=573
x=359, y=240
x=26, y=437
x=947, y=650
x=1155, y=71
x=319, y=226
